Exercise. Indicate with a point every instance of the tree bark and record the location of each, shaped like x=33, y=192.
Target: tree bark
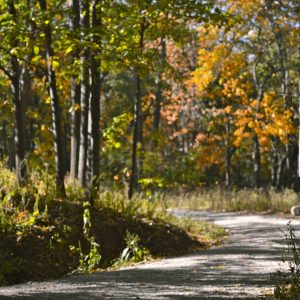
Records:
x=55, y=107
x=138, y=128
x=256, y=159
x=158, y=96
x=84, y=98
x=135, y=169
x=228, y=155
x=4, y=136
x=75, y=100
x=20, y=163
x=94, y=105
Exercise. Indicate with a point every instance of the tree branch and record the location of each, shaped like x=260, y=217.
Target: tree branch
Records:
x=5, y=72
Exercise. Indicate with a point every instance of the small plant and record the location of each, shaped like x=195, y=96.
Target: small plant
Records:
x=90, y=261
x=289, y=283
x=133, y=252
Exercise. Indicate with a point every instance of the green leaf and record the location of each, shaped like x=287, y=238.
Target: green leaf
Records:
x=36, y=50
x=69, y=49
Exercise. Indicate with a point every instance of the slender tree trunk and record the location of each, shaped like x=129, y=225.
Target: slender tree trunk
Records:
x=256, y=145
x=138, y=128
x=26, y=96
x=94, y=111
x=274, y=165
x=4, y=136
x=283, y=61
x=228, y=155
x=20, y=164
x=135, y=170
x=75, y=99
x=158, y=96
x=281, y=163
x=84, y=99
x=256, y=161
x=26, y=77
x=75, y=130
x=286, y=93
x=55, y=107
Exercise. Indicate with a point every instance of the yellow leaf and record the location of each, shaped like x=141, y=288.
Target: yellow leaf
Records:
x=44, y=127
x=48, y=100
x=74, y=107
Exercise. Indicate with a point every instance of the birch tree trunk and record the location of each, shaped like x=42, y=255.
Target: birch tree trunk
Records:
x=75, y=100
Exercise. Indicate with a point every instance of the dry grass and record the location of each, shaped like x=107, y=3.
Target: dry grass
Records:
x=243, y=200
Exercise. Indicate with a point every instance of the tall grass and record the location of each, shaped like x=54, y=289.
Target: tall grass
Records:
x=41, y=183
x=262, y=200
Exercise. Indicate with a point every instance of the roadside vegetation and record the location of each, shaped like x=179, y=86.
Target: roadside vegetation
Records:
x=43, y=237
x=266, y=200
x=288, y=282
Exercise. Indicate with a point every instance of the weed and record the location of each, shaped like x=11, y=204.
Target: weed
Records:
x=91, y=260
x=133, y=252
x=288, y=286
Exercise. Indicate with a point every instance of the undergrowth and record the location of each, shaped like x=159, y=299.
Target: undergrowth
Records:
x=44, y=237
x=261, y=200
x=288, y=283
x=133, y=252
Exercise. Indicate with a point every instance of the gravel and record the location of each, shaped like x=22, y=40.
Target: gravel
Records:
x=240, y=268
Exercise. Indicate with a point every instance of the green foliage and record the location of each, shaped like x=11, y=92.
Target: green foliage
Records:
x=288, y=286
x=87, y=262
x=133, y=252
x=6, y=221
x=90, y=261
x=139, y=205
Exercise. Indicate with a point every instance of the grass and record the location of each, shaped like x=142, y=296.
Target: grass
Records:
x=218, y=199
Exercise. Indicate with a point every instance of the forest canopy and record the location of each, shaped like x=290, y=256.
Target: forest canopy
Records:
x=150, y=95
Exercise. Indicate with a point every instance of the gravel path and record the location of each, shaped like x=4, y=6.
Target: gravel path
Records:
x=238, y=269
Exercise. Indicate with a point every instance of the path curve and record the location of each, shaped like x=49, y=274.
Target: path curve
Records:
x=238, y=269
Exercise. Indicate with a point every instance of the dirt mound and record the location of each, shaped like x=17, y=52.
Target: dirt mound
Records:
x=44, y=251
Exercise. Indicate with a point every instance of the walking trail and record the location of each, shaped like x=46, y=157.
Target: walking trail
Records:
x=240, y=268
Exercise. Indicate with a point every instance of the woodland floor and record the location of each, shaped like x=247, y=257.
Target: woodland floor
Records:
x=240, y=268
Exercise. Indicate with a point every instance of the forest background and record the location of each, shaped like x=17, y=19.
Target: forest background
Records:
x=150, y=95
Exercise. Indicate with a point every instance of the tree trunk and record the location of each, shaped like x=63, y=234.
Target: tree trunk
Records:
x=256, y=159
x=20, y=163
x=135, y=170
x=158, y=96
x=84, y=97
x=228, y=155
x=55, y=107
x=274, y=165
x=138, y=128
x=94, y=111
x=75, y=100
x=4, y=136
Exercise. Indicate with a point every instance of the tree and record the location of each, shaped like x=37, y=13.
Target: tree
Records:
x=55, y=105
x=75, y=95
